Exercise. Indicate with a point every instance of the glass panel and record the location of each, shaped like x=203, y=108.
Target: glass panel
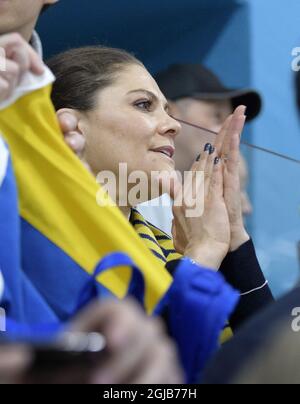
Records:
x=273, y=226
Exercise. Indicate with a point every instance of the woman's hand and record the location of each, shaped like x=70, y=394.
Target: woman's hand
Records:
x=232, y=190
x=138, y=351
x=208, y=237
x=138, y=348
x=204, y=237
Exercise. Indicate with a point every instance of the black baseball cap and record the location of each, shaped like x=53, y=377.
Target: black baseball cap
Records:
x=196, y=81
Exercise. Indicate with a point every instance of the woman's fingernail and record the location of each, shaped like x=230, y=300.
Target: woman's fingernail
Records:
x=211, y=150
x=198, y=158
x=207, y=147
x=217, y=160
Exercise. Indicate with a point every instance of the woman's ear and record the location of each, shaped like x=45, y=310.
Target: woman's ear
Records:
x=69, y=123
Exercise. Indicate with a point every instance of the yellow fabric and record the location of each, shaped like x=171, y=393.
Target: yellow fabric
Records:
x=226, y=335
x=155, y=239
x=58, y=197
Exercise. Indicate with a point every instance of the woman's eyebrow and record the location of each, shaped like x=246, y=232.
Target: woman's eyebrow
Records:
x=151, y=95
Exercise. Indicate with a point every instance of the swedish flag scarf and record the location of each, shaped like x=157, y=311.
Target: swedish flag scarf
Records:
x=158, y=242
x=65, y=235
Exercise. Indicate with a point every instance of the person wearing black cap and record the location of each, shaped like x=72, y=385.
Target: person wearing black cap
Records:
x=199, y=97
x=194, y=81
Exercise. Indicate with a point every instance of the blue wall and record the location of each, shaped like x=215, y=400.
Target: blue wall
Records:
x=272, y=29
x=248, y=43
x=275, y=31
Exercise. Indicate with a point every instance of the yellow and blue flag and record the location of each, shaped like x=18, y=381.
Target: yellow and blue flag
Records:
x=59, y=248
x=64, y=233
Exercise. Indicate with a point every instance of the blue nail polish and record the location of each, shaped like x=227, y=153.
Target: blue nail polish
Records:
x=198, y=158
x=207, y=147
x=217, y=160
x=211, y=150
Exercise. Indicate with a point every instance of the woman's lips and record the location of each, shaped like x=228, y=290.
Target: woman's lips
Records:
x=168, y=151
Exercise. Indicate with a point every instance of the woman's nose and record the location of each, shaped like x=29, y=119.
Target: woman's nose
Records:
x=170, y=127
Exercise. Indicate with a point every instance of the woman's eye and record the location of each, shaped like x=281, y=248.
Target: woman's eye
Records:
x=145, y=105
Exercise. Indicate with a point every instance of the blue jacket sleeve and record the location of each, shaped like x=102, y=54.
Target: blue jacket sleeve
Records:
x=199, y=304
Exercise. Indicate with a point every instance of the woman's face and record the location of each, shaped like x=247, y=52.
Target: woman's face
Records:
x=130, y=124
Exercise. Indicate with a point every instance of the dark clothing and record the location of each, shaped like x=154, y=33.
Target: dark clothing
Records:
x=265, y=350
x=242, y=271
